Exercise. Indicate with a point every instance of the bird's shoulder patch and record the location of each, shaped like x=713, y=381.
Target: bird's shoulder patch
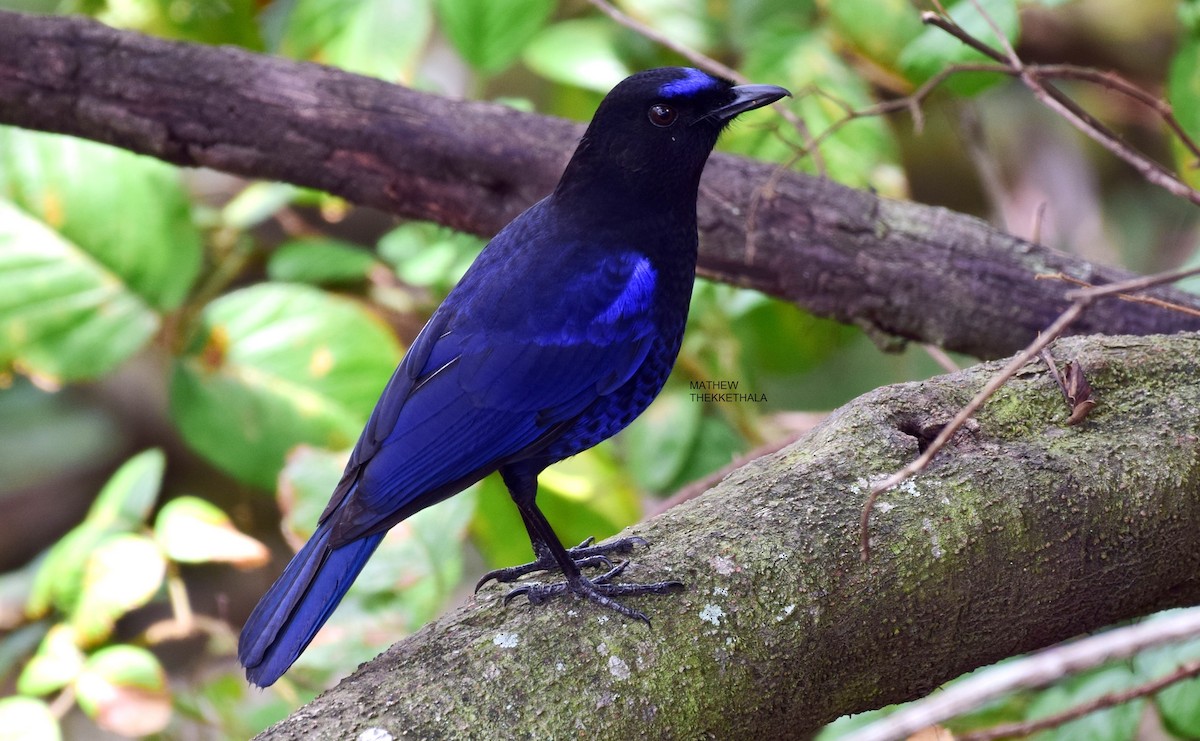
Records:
x=637, y=294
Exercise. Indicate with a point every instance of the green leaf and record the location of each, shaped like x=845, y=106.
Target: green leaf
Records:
x=1117, y=723
x=123, y=573
x=129, y=495
x=429, y=255
x=861, y=153
x=879, y=29
x=935, y=50
x=580, y=52
x=1183, y=93
x=122, y=505
x=1179, y=704
x=659, y=443
x=380, y=38
x=224, y=22
x=191, y=530
x=407, y=582
x=320, y=261
x=276, y=365
x=256, y=203
x=128, y=212
x=63, y=315
x=124, y=690
x=55, y=665
x=24, y=718
x=489, y=34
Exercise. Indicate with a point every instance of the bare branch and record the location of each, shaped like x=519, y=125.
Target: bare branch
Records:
x=474, y=166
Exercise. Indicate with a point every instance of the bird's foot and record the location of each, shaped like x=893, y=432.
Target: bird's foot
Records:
x=585, y=555
x=600, y=590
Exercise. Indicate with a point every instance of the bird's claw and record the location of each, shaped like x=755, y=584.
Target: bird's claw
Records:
x=600, y=590
x=585, y=555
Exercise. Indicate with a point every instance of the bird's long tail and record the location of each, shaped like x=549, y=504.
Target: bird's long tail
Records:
x=298, y=604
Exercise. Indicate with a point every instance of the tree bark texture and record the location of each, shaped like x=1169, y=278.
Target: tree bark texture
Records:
x=1023, y=532
x=895, y=268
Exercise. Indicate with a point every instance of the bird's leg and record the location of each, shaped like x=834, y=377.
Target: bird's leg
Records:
x=551, y=555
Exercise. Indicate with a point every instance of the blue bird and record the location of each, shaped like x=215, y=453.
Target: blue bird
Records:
x=561, y=333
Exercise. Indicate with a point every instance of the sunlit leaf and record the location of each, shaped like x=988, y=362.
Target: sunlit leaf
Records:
x=580, y=52
x=55, y=665
x=128, y=213
x=123, y=573
x=129, y=495
x=63, y=315
x=191, y=530
x=24, y=718
x=489, y=34
x=124, y=689
x=274, y=366
x=122, y=506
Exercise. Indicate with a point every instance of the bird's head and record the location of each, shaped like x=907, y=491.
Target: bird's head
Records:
x=654, y=131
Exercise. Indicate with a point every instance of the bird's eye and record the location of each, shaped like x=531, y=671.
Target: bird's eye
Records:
x=662, y=115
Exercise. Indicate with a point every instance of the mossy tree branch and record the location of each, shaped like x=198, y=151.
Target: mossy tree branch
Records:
x=897, y=269
x=1022, y=533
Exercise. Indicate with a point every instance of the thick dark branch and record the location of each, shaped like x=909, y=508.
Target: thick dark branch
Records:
x=900, y=268
x=1023, y=533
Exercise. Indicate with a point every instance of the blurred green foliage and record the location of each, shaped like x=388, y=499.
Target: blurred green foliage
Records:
x=269, y=322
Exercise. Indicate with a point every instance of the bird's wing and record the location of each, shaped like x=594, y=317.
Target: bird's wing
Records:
x=477, y=388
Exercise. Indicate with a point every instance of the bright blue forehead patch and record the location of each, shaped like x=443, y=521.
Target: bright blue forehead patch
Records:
x=692, y=82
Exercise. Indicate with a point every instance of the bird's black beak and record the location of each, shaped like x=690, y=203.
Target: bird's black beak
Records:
x=747, y=98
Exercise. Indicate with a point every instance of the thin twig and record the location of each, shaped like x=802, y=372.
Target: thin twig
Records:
x=1035, y=670
x=941, y=357
x=1053, y=98
x=1132, y=298
x=1112, y=699
x=1133, y=284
